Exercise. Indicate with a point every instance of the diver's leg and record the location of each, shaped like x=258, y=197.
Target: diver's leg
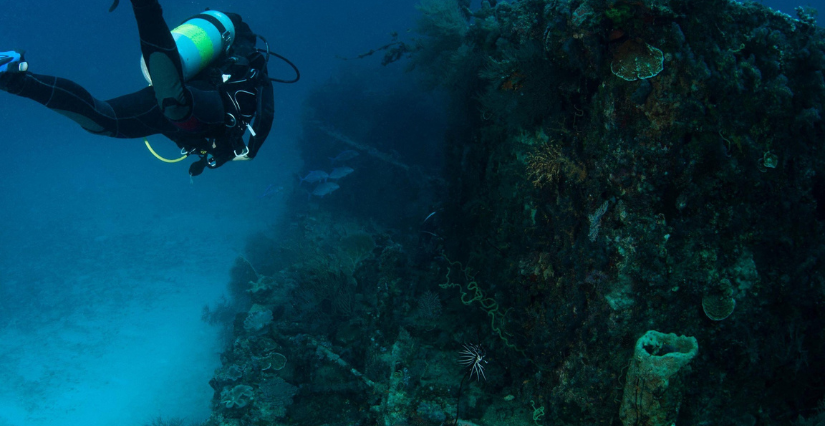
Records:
x=162, y=60
x=129, y=116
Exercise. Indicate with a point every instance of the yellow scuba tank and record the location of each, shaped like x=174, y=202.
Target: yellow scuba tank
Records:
x=200, y=40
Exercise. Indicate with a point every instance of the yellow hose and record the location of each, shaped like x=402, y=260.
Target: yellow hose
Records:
x=165, y=160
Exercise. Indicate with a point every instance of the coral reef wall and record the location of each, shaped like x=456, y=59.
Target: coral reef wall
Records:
x=638, y=165
x=623, y=225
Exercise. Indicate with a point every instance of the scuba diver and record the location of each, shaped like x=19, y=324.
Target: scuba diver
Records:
x=208, y=86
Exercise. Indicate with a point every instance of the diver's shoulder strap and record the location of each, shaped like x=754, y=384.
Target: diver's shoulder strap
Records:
x=264, y=115
x=248, y=102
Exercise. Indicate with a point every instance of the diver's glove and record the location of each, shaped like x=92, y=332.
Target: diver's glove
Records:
x=197, y=167
x=12, y=61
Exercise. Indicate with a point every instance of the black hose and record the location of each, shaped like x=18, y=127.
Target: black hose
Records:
x=297, y=73
x=269, y=53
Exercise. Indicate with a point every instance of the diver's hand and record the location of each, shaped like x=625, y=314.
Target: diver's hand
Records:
x=197, y=167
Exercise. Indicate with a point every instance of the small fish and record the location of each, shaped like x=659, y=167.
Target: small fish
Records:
x=270, y=191
x=315, y=176
x=429, y=216
x=266, y=192
x=324, y=189
x=344, y=156
x=114, y=6
x=339, y=172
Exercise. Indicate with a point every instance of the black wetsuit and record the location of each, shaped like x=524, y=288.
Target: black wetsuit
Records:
x=192, y=114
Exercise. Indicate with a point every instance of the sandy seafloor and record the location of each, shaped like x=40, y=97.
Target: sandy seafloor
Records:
x=103, y=277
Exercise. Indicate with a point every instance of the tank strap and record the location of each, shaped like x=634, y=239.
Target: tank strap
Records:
x=221, y=28
x=212, y=20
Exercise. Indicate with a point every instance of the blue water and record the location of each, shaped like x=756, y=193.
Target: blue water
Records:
x=108, y=255
x=788, y=6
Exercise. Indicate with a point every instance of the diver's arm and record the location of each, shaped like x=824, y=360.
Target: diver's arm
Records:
x=163, y=61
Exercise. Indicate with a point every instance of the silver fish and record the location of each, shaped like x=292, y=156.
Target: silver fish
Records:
x=324, y=189
x=339, y=172
x=315, y=176
x=344, y=156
